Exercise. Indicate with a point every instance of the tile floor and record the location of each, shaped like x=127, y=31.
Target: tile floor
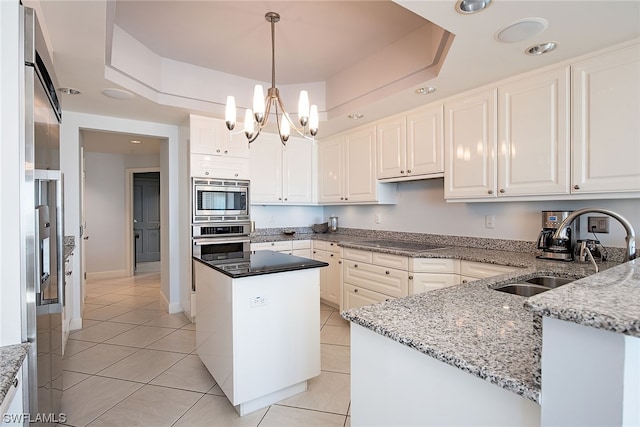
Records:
x=133, y=364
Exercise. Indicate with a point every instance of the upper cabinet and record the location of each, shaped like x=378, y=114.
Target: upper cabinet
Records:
x=533, y=135
x=347, y=170
x=215, y=152
x=281, y=174
x=470, y=141
x=411, y=146
x=606, y=123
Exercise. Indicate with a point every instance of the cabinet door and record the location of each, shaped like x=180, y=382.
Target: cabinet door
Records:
x=360, y=170
x=470, y=145
x=297, y=176
x=330, y=171
x=423, y=282
x=324, y=257
x=203, y=135
x=266, y=169
x=606, y=125
x=356, y=297
x=207, y=166
x=333, y=286
x=425, y=141
x=533, y=130
x=392, y=148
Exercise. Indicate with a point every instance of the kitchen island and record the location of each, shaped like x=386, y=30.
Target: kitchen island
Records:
x=258, y=328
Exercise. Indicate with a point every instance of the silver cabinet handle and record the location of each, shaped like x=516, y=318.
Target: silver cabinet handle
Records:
x=85, y=238
x=355, y=265
x=346, y=198
x=408, y=170
x=279, y=198
x=490, y=191
x=273, y=244
x=218, y=150
x=401, y=171
x=285, y=199
x=331, y=255
x=386, y=272
x=226, y=151
x=339, y=262
x=355, y=290
x=410, y=277
x=576, y=187
x=502, y=190
x=341, y=198
x=206, y=173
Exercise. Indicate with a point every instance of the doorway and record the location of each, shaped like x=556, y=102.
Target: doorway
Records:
x=146, y=221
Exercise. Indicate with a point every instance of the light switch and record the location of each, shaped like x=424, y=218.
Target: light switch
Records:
x=490, y=221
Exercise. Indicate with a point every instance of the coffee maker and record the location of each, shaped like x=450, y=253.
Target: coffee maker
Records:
x=559, y=249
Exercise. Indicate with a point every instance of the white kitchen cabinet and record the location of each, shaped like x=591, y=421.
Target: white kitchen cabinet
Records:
x=347, y=170
x=210, y=136
x=606, y=124
x=67, y=308
x=358, y=296
x=470, y=145
x=426, y=274
x=411, y=146
x=292, y=247
x=281, y=174
x=534, y=135
x=11, y=407
x=208, y=166
x=331, y=276
x=471, y=270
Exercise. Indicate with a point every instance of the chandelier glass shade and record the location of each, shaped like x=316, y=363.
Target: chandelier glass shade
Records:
x=256, y=118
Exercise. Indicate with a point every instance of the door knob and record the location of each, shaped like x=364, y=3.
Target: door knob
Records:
x=86, y=237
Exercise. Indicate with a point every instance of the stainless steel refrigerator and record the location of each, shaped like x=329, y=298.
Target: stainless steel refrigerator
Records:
x=42, y=229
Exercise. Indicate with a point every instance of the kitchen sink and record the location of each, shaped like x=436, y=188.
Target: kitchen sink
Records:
x=534, y=285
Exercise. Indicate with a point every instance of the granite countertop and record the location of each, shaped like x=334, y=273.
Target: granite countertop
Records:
x=11, y=358
x=69, y=246
x=246, y=264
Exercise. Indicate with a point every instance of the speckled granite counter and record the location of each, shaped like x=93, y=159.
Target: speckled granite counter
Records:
x=69, y=245
x=11, y=358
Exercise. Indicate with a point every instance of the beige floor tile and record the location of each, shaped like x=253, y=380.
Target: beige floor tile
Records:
x=335, y=358
x=69, y=379
x=135, y=301
x=142, y=366
x=74, y=346
x=216, y=390
x=138, y=316
x=155, y=306
x=336, y=320
x=106, y=299
x=347, y=423
x=188, y=374
x=281, y=416
x=130, y=290
x=149, y=406
x=101, y=332
x=87, y=323
x=90, y=398
x=177, y=320
x=329, y=392
x=106, y=312
x=338, y=335
x=95, y=291
x=140, y=336
x=326, y=307
x=149, y=292
x=324, y=316
x=216, y=411
x=91, y=307
x=189, y=327
x=180, y=341
x=96, y=358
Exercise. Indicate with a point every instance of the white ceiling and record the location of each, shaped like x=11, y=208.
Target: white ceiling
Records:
x=119, y=143
x=315, y=40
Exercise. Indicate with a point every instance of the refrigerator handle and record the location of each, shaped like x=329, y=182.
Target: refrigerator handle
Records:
x=38, y=270
x=60, y=237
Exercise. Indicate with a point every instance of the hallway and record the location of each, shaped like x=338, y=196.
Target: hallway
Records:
x=134, y=364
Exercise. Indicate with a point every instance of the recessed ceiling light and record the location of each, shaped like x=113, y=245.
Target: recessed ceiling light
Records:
x=521, y=30
x=541, y=48
x=472, y=6
x=428, y=90
x=135, y=141
x=117, y=93
x=356, y=116
x=69, y=91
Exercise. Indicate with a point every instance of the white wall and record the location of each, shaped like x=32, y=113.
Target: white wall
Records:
x=12, y=256
x=105, y=210
x=286, y=216
x=421, y=209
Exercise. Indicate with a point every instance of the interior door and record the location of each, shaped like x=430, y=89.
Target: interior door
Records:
x=146, y=216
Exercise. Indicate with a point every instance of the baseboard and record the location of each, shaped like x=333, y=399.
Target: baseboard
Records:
x=113, y=274
x=172, y=308
x=75, y=324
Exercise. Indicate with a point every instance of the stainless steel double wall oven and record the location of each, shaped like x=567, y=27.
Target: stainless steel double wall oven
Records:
x=220, y=222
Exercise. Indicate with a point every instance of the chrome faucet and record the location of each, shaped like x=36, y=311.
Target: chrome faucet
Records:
x=631, y=236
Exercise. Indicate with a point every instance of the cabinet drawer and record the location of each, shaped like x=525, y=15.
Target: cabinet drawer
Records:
x=271, y=246
x=203, y=165
x=304, y=253
x=388, y=260
x=482, y=270
x=301, y=244
x=388, y=281
x=357, y=255
x=423, y=282
x=434, y=265
x=356, y=297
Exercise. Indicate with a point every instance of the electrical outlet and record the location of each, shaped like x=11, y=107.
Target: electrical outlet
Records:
x=598, y=224
x=257, y=301
x=490, y=221
x=378, y=218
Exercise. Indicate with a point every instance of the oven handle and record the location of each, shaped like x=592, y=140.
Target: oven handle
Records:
x=220, y=240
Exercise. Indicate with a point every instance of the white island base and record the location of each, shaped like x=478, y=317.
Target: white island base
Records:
x=259, y=336
x=394, y=385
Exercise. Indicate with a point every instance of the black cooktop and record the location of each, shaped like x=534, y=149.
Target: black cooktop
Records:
x=245, y=264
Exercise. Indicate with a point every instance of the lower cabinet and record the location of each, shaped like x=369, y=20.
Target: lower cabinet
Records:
x=471, y=270
x=331, y=276
x=371, y=277
x=427, y=274
x=67, y=309
x=301, y=248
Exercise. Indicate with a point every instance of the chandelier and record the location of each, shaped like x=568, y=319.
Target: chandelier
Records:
x=259, y=116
